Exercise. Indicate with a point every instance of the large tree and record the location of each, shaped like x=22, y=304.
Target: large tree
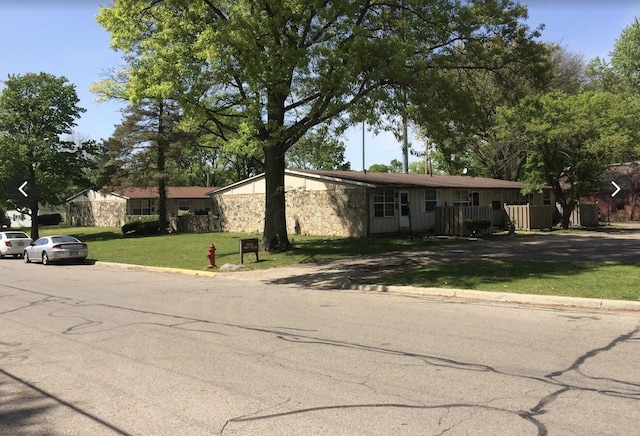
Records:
x=465, y=138
x=261, y=73
x=571, y=139
x=625, y=58
x=36, y=112
x=318, y=150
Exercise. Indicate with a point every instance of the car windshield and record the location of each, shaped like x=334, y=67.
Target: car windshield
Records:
x=59, y=239
x=16, y=235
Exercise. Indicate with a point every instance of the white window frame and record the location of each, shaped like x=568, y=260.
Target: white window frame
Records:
x=384, y=200
x=430, y=199
x=461, y=197
x=143, y=206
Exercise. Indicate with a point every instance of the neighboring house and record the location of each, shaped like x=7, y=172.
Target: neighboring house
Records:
x=18, y=219
x=22, y=220
x=109, y=208
x=625, y=204
x=359, y=204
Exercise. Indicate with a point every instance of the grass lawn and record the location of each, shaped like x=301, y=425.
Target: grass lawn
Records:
x=572, y=279
x=188, y=250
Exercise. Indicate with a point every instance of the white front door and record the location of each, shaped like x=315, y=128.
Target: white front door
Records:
x=405, y=220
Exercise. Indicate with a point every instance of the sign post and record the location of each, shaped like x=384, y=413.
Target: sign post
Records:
x=249, y=246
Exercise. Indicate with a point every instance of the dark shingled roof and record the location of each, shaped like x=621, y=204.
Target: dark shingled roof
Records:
x=400, y=180
x=172, y=192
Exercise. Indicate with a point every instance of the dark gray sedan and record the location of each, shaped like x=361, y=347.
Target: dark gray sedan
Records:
x=56, y=248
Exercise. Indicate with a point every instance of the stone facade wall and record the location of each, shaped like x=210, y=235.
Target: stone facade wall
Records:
x=97, y=213
x=338, y=212
x=192, y=223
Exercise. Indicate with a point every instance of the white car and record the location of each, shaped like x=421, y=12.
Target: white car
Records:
x=13, y=243
x=55, y=248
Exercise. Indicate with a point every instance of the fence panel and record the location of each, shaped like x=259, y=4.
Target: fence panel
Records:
x=529, y=217
x=450, y=219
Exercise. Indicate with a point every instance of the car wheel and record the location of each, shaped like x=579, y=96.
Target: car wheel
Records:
x=45, y=258
x=25, y=256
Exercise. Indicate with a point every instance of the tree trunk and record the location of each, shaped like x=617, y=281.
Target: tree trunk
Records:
x=34, y=202
x=567, y=210
x=275, y=236
x=161, y=143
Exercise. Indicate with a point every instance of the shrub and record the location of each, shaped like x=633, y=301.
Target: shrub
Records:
x=49, y=219
x=475, y=227
x=142, y=227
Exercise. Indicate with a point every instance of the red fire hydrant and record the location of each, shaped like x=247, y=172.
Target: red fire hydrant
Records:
x=211, y=255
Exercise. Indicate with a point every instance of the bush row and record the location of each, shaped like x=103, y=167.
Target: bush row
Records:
x=142, y=227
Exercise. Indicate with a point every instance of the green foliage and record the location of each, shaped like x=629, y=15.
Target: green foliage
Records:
x=259, y=76
x=141, y=227
x=36, y=110
x=318, y=150
x=50, y=219
x=395, y=166
x=570, y=140
x=625, y=57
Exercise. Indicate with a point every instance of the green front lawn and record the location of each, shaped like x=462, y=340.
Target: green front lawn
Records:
x=573, y=279
x=188, y=250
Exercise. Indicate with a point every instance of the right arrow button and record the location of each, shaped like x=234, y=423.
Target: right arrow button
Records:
x=617, y=188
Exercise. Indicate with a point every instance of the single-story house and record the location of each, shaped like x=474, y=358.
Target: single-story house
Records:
x=22, y=219
x=360, y=204
x=109, y=208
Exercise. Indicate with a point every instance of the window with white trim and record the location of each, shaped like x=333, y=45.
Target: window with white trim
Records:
x=384, y=203
x=430, y=200
x=461, y=197
x=143, y=207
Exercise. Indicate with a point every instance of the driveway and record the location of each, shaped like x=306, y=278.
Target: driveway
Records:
x=620, y=245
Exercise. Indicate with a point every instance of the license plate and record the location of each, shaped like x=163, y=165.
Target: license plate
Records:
x=20, y=244
x=72, y=253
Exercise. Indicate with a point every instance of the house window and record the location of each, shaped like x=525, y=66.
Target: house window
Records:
x=546, y=197
x=143, y=207
x=496, y=201
x=184, y=204
x=384, y=203
x=430, y=200
x=461, y=197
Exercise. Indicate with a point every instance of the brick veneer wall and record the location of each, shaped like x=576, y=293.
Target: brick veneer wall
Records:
x=339, y=212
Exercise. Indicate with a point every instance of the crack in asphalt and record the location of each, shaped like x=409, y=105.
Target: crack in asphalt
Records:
x=88, y=326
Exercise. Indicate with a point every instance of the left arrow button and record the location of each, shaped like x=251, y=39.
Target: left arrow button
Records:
x=21, y=189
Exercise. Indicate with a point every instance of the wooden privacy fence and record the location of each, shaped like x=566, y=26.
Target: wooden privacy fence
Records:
x=583, y=215
x=450, y=219
x=529, y=217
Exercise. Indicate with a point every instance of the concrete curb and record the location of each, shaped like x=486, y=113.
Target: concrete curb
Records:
x=506, y=297
x=465, y=294
x=189, y=272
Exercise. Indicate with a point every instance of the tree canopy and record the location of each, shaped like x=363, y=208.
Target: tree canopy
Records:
x=570, y=140
x=260, y=74
x=36, y=111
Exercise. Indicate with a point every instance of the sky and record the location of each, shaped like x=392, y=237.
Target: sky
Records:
x=61, y=37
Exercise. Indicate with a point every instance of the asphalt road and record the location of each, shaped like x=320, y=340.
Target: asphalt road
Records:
x=97, y=349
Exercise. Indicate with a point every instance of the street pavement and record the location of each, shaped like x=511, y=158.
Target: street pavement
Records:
x=111, y=350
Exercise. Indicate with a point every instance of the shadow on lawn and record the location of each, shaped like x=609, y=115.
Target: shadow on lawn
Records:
x=470, y=274
x=100, y=236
